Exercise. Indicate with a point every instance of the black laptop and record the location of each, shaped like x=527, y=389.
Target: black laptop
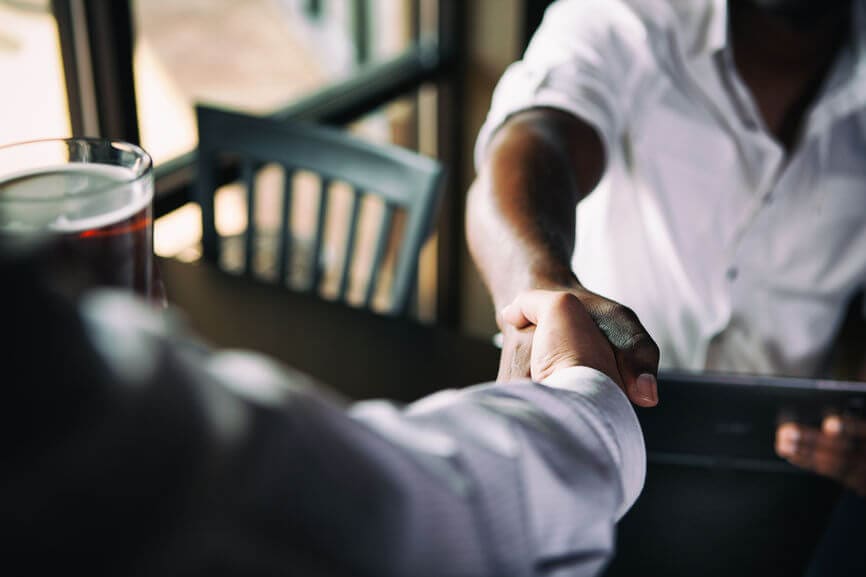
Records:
x=730, y=419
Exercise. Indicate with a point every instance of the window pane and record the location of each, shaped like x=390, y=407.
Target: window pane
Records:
x=33, y=97
x=251, y=55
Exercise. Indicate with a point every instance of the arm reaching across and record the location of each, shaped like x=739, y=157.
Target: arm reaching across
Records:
x=167, y=458
x=555, y=116
x=521, y=230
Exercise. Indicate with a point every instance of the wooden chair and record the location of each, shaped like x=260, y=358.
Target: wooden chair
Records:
x=403, y=180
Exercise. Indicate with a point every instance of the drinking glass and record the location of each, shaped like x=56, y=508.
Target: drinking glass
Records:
x=89, y=200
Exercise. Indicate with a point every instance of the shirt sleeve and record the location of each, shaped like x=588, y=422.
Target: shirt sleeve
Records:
x=547, y=469
x=519, y=479
x=585, y=58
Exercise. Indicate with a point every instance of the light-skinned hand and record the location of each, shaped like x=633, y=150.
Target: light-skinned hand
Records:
x=635, y=354
x=561, y=334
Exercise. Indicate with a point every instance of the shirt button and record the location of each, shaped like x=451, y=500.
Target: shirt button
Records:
x=732, y=273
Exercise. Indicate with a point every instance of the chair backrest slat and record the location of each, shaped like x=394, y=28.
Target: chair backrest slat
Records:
x=349, y=247
x=404, y=180
x=249, y=179
x=319, y=236
x=284, y=255
x=379, y=252
x=204, y=190
x=394, y=173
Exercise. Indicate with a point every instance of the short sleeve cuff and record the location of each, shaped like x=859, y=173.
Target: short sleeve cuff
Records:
x=521, y=89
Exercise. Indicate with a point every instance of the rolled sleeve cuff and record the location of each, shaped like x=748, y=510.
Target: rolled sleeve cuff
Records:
x=522, y=89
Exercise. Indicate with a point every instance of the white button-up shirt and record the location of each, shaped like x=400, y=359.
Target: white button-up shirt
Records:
x=734, y=257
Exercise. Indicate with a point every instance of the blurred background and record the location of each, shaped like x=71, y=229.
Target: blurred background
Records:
x=416, y=73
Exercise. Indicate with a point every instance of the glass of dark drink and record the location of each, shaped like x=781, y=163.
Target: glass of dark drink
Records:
x=89, y=201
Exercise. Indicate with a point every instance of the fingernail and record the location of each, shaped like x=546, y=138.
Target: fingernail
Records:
x=646, y=387
x=833, y=425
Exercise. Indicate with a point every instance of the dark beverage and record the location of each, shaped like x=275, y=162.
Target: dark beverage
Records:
x=95, y=217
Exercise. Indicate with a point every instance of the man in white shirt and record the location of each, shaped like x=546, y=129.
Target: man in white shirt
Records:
x=132, y=449
x=724, y=145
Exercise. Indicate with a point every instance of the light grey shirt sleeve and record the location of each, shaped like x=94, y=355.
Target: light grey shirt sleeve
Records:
x=544, y=470
x=521, y=479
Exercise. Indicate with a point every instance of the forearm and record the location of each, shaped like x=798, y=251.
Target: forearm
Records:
x=556, y=466
x=521, y=209
x=519, y=238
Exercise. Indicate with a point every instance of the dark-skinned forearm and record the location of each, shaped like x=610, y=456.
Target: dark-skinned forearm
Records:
x=521, y=208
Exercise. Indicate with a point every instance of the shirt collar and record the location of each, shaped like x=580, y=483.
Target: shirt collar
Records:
x=700, y=26
x=716, y=37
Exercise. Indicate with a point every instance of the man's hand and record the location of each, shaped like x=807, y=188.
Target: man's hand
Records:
x=562, y=334
x=837, y=450
x=635, y=353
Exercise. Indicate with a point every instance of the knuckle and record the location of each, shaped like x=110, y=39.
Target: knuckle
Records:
x=629, y=319
x=565, y=301
x=625, y=313
x=643, y=346
x=567, y=305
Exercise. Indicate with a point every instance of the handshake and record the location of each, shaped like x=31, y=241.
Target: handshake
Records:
x=549, y=330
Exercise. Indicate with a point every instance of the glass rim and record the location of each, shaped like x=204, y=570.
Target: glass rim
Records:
x=145, y=170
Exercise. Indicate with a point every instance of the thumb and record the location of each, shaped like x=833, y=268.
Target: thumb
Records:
x=638, y=365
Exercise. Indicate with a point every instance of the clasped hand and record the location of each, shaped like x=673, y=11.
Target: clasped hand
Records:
x=553, y=330
x=546, y=328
